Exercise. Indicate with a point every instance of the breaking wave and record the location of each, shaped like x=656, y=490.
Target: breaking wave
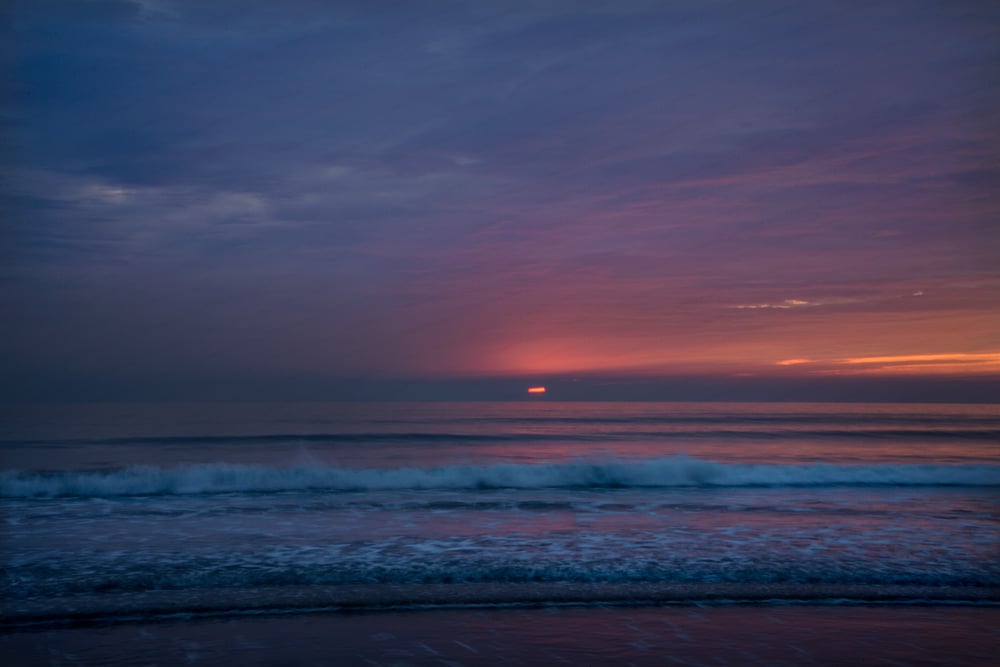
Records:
x=672, y=472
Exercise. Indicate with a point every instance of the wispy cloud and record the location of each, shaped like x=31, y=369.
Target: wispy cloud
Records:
x=782, y=305
x=793, y=362
x=907, y=364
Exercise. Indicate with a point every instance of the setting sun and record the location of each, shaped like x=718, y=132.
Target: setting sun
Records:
x=536, y=390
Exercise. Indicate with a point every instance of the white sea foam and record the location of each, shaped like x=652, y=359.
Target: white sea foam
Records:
x=669, y=472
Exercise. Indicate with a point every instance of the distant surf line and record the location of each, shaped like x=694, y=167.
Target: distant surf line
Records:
x=667, y=472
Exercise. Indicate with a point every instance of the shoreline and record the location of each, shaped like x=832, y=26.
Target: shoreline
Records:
x=361, y=598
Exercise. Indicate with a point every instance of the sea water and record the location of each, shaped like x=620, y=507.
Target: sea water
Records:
x=114, y=511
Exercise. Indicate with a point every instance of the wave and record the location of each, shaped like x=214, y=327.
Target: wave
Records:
x=371, y=597
x=671, y=472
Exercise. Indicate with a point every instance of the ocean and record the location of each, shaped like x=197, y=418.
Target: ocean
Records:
x=125, y=514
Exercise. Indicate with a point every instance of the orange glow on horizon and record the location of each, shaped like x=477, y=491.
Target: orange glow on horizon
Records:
x=904, y=364
x=989, y=357
x=536, y=390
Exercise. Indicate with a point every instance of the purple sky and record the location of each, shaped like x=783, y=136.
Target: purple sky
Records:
x=377, y=199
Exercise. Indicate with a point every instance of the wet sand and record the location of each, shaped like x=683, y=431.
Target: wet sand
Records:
x=652, y=635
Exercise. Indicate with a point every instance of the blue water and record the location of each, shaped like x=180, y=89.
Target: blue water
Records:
x=139, y=509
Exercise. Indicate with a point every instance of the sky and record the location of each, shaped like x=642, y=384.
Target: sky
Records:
x=305, y=200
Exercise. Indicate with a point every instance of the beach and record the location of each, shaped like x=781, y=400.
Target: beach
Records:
x=501, y=533
x=649, y=635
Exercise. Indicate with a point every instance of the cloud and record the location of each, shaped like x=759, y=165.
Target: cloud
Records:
x=989, y=360
x=504, y=186
x=793, y=362
x=959, y=363
x=782, y=305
